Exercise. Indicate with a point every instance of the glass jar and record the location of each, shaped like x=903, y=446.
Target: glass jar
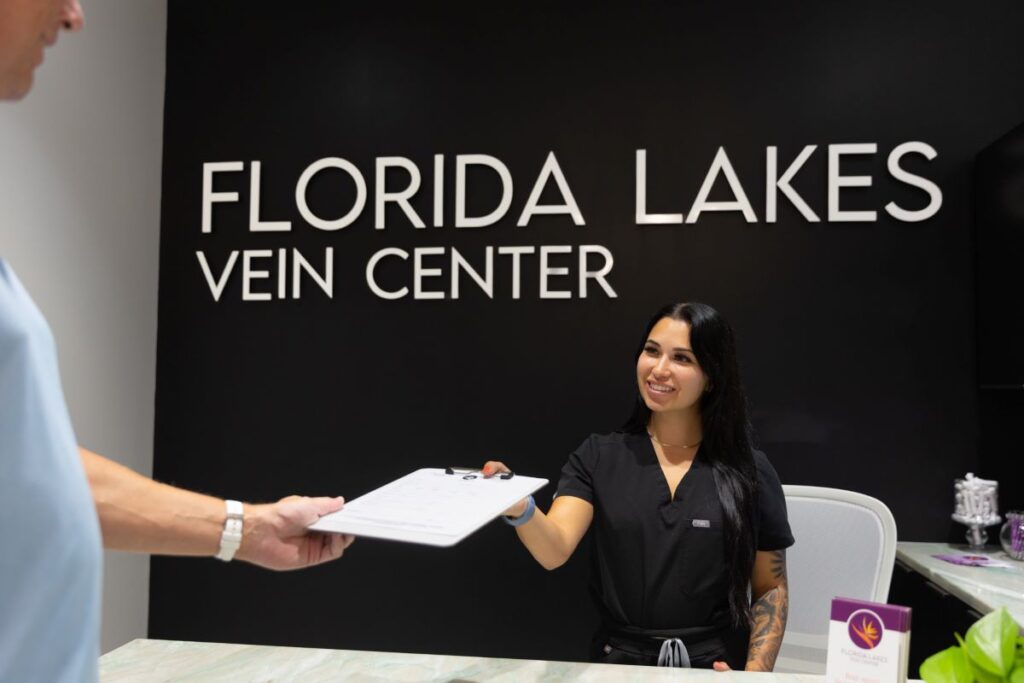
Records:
x=1011, y=536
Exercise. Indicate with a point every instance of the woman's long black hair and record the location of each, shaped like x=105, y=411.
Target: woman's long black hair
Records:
x=726, y=443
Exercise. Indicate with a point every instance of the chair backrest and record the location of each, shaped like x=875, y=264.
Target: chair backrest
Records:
x=845, y=547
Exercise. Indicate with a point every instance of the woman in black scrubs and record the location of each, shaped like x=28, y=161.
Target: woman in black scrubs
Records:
x=689, y=521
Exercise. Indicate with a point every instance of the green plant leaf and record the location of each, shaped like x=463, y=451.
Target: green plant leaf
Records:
x=982, y=676
x=1017, y=675
x=948, y=666
x=991, y=644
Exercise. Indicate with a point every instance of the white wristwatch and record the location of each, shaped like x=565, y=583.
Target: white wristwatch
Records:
x=231, y=537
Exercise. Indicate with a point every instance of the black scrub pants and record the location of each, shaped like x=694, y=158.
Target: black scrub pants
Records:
x=612, y=645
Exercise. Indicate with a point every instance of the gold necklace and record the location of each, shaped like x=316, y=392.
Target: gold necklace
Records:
x=671, y=445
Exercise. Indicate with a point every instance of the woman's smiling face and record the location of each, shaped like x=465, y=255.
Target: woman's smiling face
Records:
x=667, y=371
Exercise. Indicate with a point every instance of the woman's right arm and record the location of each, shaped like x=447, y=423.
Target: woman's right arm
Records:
x=551, y=538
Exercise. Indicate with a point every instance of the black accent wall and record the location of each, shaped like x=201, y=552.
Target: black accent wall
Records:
x=857, y=338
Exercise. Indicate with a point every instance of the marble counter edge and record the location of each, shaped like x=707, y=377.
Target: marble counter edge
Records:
x=913, y=554
x=145, y=659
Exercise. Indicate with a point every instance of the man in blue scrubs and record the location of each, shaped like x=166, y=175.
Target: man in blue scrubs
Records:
x=59, y=503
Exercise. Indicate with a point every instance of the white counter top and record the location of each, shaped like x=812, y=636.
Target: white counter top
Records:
x=983, y=588
x=165, y=660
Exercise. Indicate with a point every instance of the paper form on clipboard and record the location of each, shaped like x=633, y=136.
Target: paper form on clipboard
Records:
x=429, y=506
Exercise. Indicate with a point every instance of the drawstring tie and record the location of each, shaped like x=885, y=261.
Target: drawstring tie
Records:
x=673, y=654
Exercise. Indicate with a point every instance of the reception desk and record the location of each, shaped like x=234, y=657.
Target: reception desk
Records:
x=164, y=660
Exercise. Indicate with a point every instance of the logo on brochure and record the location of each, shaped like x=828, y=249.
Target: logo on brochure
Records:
x=865, y=629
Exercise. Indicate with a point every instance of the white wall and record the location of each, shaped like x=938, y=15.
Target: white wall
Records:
x=79, y=222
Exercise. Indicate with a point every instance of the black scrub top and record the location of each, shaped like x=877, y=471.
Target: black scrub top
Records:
x=659, y=562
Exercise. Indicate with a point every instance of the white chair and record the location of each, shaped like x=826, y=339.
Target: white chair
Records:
x=845, y=547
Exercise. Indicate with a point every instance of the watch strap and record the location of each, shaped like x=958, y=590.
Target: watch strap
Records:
x=231, y=536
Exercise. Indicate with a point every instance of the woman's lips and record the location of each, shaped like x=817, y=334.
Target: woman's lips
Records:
x=657, y=390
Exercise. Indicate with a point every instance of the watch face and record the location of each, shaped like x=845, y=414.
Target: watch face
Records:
x=234, y=509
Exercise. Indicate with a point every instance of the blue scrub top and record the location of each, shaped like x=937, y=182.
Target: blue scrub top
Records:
x=50, y=545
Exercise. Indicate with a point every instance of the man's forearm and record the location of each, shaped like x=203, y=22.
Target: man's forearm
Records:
x=141, y=515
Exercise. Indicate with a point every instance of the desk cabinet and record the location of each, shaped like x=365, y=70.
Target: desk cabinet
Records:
x=937, y=614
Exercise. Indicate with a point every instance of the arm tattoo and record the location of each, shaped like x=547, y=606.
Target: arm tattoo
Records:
x=769, y=614
x=778, y=565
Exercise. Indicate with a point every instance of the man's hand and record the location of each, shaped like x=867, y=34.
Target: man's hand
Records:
x=275, y=536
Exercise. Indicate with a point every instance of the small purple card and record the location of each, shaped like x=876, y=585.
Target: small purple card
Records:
x=971, y=560
x=868, y=642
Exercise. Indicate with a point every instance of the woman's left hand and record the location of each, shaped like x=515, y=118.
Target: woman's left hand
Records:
x=721, y=666
x=493, y=467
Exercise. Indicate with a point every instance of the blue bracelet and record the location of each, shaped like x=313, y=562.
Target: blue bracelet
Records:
x=527, y=515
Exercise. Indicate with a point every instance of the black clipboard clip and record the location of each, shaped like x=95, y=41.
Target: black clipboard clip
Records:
x=473, y=472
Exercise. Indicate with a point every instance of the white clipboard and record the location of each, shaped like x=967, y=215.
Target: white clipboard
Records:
x=429, y=506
